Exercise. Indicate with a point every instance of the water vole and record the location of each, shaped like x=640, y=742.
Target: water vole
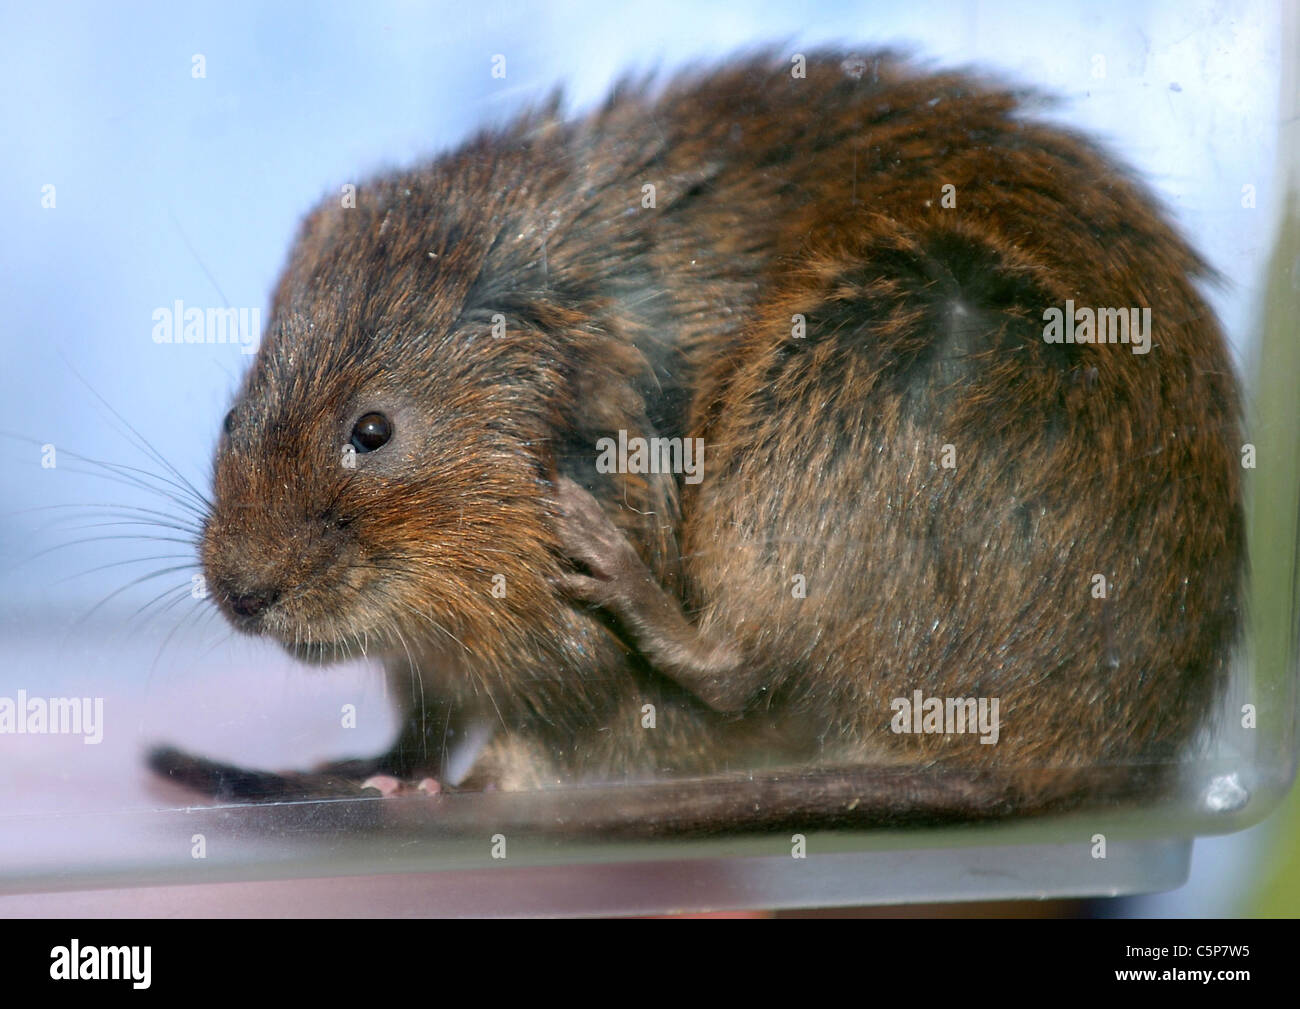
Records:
x=841, y=286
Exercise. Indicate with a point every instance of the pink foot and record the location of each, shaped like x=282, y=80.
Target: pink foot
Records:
x=383, y=784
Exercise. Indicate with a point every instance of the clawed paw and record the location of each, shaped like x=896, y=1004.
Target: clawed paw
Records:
x=589, y=537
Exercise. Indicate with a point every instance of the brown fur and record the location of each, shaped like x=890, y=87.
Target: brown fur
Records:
x=775, y=197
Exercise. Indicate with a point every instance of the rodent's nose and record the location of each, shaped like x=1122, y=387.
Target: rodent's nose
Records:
x=252, y=604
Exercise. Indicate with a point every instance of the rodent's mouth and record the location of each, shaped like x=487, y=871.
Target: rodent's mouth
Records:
x=339, y=646
x=301, y=624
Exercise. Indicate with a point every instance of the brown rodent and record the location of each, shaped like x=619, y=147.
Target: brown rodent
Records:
x=905, y=486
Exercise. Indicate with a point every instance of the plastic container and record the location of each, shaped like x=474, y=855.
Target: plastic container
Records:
x=138, y=160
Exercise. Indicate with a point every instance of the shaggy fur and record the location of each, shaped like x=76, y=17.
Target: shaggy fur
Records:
x=775, y=197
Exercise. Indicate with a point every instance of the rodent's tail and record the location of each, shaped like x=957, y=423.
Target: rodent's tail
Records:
x=846, y=797
x=849, y=798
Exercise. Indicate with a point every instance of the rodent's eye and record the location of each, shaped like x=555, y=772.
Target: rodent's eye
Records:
x=371, y=431
x=228, y=424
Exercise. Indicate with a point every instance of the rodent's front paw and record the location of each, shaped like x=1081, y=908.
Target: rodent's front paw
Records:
x=589, y=537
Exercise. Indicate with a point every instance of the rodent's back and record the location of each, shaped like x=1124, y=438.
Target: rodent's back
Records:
x=925, y=328
x=776, y=199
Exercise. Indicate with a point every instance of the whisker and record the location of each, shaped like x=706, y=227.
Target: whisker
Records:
x=109, y=507
x=103, y=539
x=141, y=439
x=130, y=585
x=185, y=494
x=118, y=564
x=434, y=624
x=147, y=523
x=179, y=598
x=190, y=618
x=145, y=480
x=197, y=258
x=177, y=591
x=127, y=480
x=205, y=620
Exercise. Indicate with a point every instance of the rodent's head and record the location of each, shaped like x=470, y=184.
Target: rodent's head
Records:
x=389, y=461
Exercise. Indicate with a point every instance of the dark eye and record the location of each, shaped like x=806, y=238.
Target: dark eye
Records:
x=229, y=423
x=371, y=431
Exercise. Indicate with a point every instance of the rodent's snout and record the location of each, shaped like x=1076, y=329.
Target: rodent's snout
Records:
x=252, y=604
x=280, y=554
x=277, y=579
x=245, y=602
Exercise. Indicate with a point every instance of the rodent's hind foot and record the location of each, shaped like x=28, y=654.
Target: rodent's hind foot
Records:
x=386, y=785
